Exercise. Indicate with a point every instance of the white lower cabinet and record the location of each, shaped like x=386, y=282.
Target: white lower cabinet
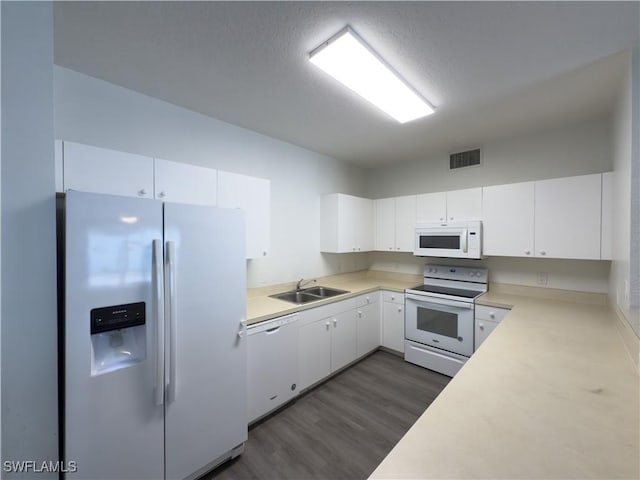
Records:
x=326, y=340
x=314, y=347
x=343, y=339
x=272, y=365
x=486, y=320
x=368, y=323
x=393, y=321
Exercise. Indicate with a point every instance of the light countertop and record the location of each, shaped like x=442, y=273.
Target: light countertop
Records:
x=261, y=307
x=552, y=393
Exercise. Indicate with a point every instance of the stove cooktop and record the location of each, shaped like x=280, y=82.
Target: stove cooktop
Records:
x=455, y=292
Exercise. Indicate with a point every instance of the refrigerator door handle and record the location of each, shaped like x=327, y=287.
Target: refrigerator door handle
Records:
x=172, y=320
x=158, y=296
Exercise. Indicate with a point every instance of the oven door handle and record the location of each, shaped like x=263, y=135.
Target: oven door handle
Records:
x=438, y=301
x=465, y=238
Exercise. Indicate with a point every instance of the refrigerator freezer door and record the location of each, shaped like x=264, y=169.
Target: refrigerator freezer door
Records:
x=206, y=413
x=112, y=426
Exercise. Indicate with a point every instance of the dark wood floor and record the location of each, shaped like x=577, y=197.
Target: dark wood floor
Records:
x=343, y=428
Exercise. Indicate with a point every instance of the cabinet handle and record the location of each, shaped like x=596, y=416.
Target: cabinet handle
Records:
x=492, y=315
x=527, y=252
x=142, y=192
x=450, y=218
x=264, y=254
x=327, y=325
x=399, y=309
x=162, y=194
x=481, y=326
x=441, y=218
x=543, y=252
x=397, y=248
x=390, y=248
x=335, y=322
x=359, y=313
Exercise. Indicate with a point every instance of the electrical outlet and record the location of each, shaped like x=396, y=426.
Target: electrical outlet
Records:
x=542, y=278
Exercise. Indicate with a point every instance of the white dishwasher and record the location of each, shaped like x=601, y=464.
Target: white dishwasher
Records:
x=272, y=359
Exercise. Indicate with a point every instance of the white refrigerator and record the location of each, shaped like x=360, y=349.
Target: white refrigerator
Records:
x=154, y=352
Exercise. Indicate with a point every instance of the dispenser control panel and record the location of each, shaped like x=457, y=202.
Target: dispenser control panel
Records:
x=116, y=317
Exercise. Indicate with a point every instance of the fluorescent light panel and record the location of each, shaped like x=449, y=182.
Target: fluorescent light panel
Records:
x=347, y=59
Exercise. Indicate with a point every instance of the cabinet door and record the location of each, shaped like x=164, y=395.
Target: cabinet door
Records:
x=58, y=156
x=183, y=183
x=99, y=170
x=385, y=224
x=393, y=326
x=508, y=220
x=567, y=217
x=405, y=223
x=483, y=330
x=606, y=236
x=368, y=328
x=364, y=224
x=343, y=339
x=348, y=223
x=253, y=196
x=314, y=352
x=464, y=204
x=431, y=208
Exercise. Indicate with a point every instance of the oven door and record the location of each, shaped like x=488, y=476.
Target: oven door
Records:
x=441, y=323
x=441, y=242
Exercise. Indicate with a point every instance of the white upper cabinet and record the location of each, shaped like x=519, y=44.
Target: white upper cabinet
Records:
x=346, y=223
x=464, y=204
x=606, y=238
x=452, y=206
x=99, y=170
x=431, y=207
x=58, y=156
x=395, y=223
x=508, y=220
x=568, y=218
x=253, y=196
x=184, y=183
x=385, y=238
x=405, y=223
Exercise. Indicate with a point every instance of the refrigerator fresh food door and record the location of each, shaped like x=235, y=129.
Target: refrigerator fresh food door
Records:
x=113, y=428
x=205, y=354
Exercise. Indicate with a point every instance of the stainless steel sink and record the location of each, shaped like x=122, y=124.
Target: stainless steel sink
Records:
x=296, y=297
x=308, y=294
x=324, y=292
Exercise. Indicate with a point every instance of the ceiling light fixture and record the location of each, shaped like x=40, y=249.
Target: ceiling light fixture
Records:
x=350, y=61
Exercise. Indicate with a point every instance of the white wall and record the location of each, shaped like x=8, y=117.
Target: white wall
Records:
x=624, y=269
x=580, y=275
x=573, y=150
x=559, y=152
x=95, y=112
x=28, y=251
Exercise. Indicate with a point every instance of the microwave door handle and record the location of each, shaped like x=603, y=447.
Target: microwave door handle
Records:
x=465, y=237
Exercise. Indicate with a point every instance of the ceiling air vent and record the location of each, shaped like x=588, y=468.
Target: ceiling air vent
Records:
x=464, y=159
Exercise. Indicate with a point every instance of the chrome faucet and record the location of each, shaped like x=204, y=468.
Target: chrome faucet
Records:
x=302, y=282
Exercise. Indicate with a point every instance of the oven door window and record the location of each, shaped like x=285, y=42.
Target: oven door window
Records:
x=445, y=242
x=437, y=322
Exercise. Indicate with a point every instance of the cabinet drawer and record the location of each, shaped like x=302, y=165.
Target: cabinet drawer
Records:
x=324, y=311
x=367, y=299
x=491, y=313
x=394, y=297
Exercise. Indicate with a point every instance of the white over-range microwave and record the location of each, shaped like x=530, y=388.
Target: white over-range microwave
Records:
x=453, y=240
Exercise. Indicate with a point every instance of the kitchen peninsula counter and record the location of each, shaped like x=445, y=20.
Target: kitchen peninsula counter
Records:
x=552, y=393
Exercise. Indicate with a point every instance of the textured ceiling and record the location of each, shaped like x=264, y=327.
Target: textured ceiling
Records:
x=491, y=69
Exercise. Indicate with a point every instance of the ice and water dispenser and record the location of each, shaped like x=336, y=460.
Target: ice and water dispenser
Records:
x=118, y=337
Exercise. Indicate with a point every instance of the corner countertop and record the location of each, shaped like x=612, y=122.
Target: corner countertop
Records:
x=261, y=307
x=552, y=393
